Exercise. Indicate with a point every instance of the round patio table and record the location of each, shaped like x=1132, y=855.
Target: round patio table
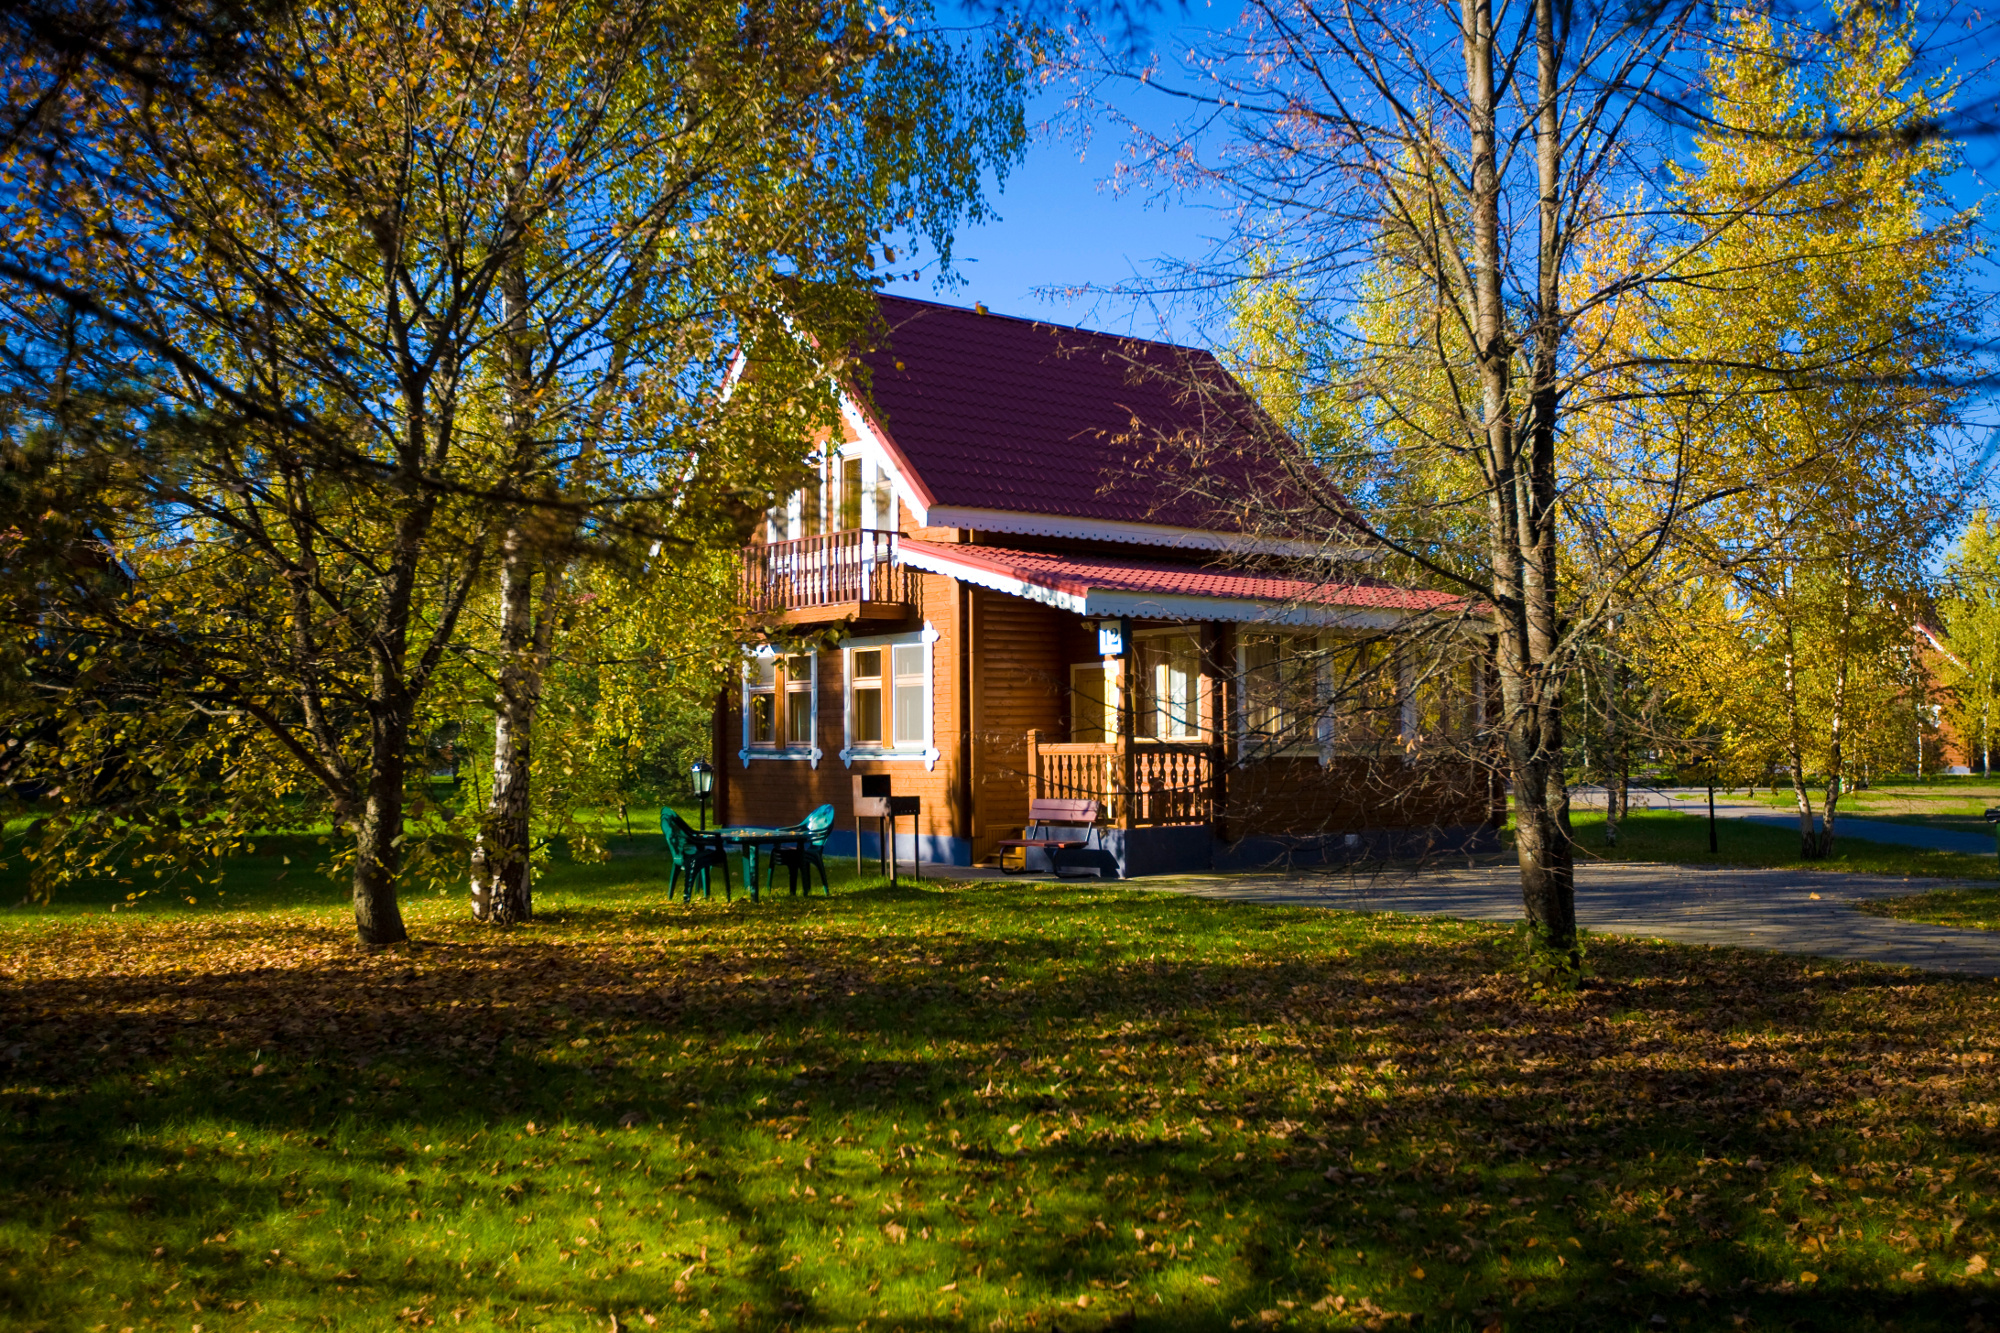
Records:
x=750, y=839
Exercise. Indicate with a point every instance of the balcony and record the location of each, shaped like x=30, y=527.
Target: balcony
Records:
x=850, y=575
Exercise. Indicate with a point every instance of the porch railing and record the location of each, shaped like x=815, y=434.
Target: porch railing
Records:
x=859, y=565
x=1135, y=784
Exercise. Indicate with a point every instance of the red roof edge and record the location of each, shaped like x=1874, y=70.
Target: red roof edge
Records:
x=888, y=441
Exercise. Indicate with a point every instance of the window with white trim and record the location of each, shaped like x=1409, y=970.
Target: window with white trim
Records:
x=1442, y=701
x=911, y=686
x=865, y=702
x=1167, y=686
x=1281, y=694
x=799, y=691
x=760, y=702
x=846, y=491
x=889, y=698
x=780, y=705
x=1367, y=679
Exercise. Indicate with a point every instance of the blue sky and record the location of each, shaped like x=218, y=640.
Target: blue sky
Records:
x=1061, y=226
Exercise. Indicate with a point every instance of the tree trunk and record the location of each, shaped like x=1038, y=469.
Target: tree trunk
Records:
x=378, y=839
x=1611, y=810
x=1836, y=771
x=1521, y=511
x=502, y=893
x=1795, y=751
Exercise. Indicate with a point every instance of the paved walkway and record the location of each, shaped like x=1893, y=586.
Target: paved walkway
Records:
x=1783, y=910
x=1695, y=802
x=1786, y=911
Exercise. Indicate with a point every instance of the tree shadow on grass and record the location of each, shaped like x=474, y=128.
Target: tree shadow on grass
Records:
x=1377, y=1090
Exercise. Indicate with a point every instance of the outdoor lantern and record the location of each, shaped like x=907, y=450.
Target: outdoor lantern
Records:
x=703, y=778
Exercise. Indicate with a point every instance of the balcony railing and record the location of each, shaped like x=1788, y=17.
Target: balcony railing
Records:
x=840, y=575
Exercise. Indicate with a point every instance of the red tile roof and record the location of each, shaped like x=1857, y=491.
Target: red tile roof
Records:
x=1078, y=575
x=992, y=412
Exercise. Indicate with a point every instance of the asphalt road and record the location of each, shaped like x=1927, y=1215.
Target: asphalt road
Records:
x=1785, y=910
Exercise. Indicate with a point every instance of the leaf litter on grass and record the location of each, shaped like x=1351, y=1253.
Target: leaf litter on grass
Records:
x=970, y=1107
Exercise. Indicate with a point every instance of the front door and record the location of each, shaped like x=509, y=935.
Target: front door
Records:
x=1092, y=709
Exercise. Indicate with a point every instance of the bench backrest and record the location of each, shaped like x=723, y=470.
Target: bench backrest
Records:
x=1062, y=811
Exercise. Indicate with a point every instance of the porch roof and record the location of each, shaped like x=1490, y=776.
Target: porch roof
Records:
x=1166, y=590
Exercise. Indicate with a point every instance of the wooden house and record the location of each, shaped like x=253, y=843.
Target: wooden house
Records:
x=998, y=591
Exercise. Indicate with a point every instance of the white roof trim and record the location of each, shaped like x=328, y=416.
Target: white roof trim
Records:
x=1141, y=534
x=875, y=448
x=1236, y=610
x=990, y=578
x=1158, y=606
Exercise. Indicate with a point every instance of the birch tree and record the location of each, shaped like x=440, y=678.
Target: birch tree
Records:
x=768, y=200
x=1424, y=177
x=1970, y=611
x=310, y=340
x=1821, y=332
x=1471, y=201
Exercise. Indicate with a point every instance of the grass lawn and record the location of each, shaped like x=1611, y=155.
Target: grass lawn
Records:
x=1974, y=908
x=1683, y=839
x=1942, y=802
x=984, y=1107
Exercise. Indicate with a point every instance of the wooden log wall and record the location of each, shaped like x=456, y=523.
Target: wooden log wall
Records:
x=1020, y=683
x=782, y=791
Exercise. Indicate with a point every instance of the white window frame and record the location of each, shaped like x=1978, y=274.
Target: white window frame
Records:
x=810, y=751
x=927, y=751
x=1321, y=746
x=1203, y=724
x=1405, y=716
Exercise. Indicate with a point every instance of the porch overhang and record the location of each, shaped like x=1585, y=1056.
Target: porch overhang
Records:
x=1110, y=586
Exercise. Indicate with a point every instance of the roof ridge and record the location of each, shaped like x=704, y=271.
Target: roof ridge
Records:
x=980, y=311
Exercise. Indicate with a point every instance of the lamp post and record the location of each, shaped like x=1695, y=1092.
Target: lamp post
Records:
x=1711, y=807
x=703, y=778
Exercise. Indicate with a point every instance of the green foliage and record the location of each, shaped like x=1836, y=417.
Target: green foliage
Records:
x=304, y=342
x=1970, y=609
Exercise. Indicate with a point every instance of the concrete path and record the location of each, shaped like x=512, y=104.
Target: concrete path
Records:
x=1783, y=910
x=1690, y=802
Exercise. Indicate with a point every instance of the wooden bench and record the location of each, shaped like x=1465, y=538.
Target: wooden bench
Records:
x=1046, y=815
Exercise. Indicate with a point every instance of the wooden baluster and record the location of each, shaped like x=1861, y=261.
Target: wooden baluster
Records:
x=1123, y=792
x=1035, y=766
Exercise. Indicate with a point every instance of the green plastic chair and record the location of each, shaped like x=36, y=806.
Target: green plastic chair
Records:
x=800, y=858
x=694, y=854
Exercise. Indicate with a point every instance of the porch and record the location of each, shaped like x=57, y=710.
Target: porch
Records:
x=1136, y=783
